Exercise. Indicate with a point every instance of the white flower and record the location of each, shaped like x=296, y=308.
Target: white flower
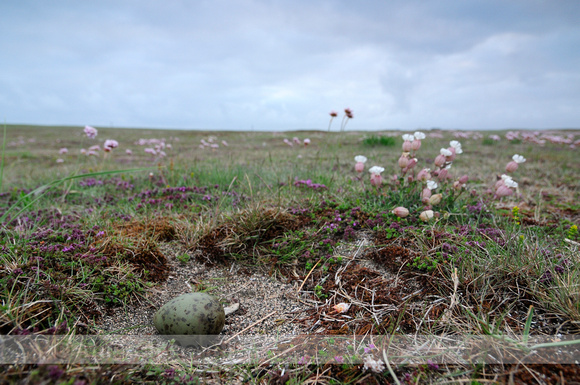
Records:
x=376, y=366
x=360, y=159
x=376, y=170
x=341, y=307
x=508, y=181
x=457, y=146
x=431, y=184
x=419, y=135
x=408, y=137
x=518, y=158
x=446, y=152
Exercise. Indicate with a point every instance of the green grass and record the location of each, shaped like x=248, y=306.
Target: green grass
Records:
x=87, y=234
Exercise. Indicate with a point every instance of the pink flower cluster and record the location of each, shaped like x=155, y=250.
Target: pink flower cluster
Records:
x=407, y=162
x=504, y=186
x=347, y=116
x=212, y=143
x=296, y=141
x=156, y=147
x=91, y=132
x=467, y=135
x=540, y=138
x=110, y=144
x=92, y=151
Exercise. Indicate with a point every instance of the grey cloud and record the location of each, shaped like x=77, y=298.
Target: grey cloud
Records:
x=284, y=65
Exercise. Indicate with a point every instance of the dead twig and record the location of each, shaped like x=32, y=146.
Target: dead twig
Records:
x=251, y=326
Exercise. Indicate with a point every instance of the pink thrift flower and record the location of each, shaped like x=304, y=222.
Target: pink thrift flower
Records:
x=306, y=142
x=223, y=142
x=296, y=140
x=59, y=160
x=333, y=114
x=288, y=142
x=63, y=150
x=90, y=131
x=111, y=143
x=128, y=152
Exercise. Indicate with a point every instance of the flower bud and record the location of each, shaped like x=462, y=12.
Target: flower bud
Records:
x=403, y=161
x=440, y=160
x=376, y=180
x=442, y=175
x=451, y=158
x=416, y=144
x=511, y=166
x=412, y=163
x=359, y=167
x=407, y=146
x=424, y=175
x=503, y=191
x=426, y=193
x=435, y=199
x=401, y=212
x=426, y=215
x=463, y=179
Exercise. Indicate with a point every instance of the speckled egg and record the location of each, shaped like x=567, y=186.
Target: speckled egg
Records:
x=192, y=314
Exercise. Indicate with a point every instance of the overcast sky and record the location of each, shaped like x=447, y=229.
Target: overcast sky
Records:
x=283, y=65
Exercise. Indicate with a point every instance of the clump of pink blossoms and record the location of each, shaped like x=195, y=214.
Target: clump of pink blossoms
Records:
x=91, y=132
x=110, y=144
